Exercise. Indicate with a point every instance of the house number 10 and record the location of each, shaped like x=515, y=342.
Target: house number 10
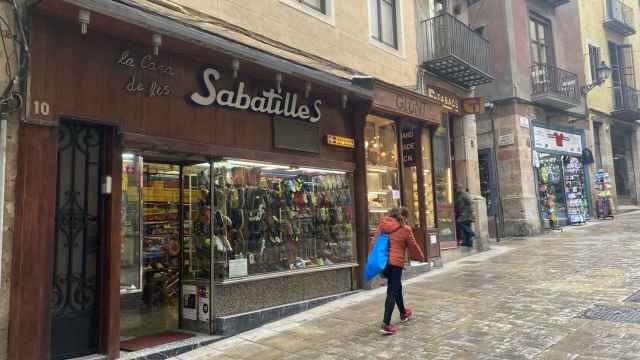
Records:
x=41, y=108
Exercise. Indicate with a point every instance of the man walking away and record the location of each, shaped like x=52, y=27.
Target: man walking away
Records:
x=464, y=216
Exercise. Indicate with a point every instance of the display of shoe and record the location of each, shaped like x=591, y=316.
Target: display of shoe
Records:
x=406, y=316
x=388, y=329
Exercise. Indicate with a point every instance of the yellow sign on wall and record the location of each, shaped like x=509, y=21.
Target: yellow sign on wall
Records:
x=341, y=141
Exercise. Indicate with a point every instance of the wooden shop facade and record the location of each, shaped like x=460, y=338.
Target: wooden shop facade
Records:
x=194, y=185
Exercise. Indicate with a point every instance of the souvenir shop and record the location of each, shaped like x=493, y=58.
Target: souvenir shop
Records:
x=191, y=192
x=406, y=163
x=561, y=176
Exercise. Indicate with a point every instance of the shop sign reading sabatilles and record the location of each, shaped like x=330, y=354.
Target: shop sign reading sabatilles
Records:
x=269, y=101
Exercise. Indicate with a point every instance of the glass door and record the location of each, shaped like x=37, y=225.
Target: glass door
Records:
x=166, y=250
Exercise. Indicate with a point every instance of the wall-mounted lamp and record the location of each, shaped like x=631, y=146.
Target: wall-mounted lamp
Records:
x=235, y=65
x=603, y=71
x=307, y=90
x=156, y=41
x=84, y=18
x=345, y=99
x=279, y=82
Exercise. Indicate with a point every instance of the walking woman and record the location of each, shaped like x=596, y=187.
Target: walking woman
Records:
x=400, y=239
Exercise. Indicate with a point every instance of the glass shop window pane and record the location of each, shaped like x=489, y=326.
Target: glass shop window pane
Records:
x=196, y=213
x=427, y=168
x=443, y=178
x=271, y=218
x=130, y=267
x=383, y=181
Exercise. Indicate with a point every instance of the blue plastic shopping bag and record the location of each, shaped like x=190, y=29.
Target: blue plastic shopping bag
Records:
x=378, y=257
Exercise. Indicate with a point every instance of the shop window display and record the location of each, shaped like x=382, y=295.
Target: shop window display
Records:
x=427, y=169
x=272, y=218
x=130, y=257
x=443, y=178
x=381, y=143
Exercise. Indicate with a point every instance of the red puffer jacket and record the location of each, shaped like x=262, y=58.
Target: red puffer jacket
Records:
x=400, y=238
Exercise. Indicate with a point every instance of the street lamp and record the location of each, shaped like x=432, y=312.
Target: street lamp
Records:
x=602, y=73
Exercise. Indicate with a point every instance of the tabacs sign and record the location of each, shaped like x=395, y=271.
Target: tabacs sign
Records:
x=446, y=99
x=269, y=102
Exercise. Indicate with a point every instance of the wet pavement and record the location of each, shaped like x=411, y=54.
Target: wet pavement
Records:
x=558, y=296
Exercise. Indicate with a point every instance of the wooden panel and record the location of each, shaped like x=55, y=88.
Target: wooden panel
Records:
x=31, y=282
x=361, y=202
x=111, y=248
x=82, y=79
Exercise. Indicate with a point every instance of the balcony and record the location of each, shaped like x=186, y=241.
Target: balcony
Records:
x=451, y=50
x=554, y=87
x=555, y=3
x=627, y=106
x=619, y=18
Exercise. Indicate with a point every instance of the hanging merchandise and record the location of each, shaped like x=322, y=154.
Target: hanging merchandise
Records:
x=603, y=195
x=574, y=190
x=551, y=189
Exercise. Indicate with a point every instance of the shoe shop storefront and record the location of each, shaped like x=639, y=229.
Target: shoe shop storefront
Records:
x=171, y=191
x=403, y=165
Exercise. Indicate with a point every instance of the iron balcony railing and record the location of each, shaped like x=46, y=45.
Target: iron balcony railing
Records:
x=626, y=99
x=619, y=17
x=547, y=79
x=450, y=48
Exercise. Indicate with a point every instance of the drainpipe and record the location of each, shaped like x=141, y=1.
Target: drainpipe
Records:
x=3, y=161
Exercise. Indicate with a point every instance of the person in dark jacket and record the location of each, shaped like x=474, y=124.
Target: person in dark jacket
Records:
x=400, y=239
x=464, y=216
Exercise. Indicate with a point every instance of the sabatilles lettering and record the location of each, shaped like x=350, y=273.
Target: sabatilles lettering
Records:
x=271, y=102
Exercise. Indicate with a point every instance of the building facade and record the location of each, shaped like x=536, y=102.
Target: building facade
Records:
x=531, y=139
x=210, y=167
x=608, y=29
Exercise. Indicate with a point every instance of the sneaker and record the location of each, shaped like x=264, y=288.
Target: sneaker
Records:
x=388, y=329
x=406, y=316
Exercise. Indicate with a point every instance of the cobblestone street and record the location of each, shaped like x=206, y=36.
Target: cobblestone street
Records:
x=521, y=300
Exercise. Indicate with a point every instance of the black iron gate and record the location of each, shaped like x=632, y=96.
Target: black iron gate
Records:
x=75, y=298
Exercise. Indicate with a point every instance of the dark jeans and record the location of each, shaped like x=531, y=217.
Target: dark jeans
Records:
x=467, y=232
x=394, y=292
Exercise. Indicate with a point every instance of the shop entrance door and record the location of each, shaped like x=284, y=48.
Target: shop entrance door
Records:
x=166, y=262
x=78, y=235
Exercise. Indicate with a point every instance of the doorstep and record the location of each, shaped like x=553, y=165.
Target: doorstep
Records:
x=167, y=351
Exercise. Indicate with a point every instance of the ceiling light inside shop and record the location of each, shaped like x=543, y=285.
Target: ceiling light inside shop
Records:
x=128, y=156
x=256, y=164
x=322, y=171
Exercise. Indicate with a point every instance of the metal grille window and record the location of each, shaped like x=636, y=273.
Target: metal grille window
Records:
x=318, y=5
x=594, y=60
x=384, y=24
x=541, y=41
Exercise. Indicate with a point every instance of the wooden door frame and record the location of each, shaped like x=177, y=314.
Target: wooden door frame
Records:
x=31, y=286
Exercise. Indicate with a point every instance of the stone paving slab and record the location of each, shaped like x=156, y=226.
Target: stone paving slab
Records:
x=520, y=300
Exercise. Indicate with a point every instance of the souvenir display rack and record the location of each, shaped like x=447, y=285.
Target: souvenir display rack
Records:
x=603, y=195
x=577, y=206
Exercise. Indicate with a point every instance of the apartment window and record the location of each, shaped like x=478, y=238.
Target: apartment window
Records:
x=317, y=5
x=384, y=22
x=623, y=77
x=594, y=60
x=541, y=41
